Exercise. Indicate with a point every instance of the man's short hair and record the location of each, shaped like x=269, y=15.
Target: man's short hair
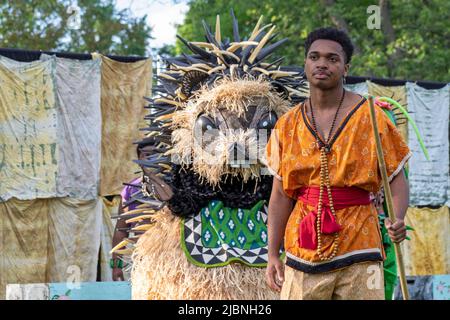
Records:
x=333, y=34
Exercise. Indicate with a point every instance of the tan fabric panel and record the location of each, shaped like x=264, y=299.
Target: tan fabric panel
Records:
x=74, y=239
x=28, y=130
x=123, y=87
x=23, y=239
x=428, y=252
x=49, y=240
x=398, y=93
x=79, y=126
x=110, y=208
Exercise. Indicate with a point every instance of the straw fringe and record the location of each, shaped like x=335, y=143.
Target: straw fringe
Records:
x=161, y=270
x=237, y=95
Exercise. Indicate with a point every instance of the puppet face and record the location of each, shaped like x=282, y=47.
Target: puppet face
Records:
x=224, y=130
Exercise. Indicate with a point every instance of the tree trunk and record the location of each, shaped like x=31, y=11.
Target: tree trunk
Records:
x=338, y=21
x=390, y=37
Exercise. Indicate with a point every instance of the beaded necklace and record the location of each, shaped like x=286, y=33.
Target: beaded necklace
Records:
x=325, y=148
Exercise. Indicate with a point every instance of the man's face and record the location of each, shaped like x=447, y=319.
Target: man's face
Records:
x=325, y=64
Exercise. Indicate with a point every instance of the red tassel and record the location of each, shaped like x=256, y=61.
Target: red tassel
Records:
x=328, y=222
x=307, y=232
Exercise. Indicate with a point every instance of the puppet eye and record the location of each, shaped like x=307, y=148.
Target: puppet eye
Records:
x=268, y=121
x=205, y=123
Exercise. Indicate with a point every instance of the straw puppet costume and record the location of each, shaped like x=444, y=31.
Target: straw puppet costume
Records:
x=206, y=187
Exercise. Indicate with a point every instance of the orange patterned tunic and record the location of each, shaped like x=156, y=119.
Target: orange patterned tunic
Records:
x=294, y=157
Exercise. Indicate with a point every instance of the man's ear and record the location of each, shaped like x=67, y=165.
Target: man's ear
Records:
x=346, y=68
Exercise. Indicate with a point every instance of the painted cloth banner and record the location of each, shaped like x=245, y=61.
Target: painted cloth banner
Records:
x=123, y=87
x=28, y=130
x=428, y=251
x=23, y=239
x=74, y=239
x=110, y=208
x=79, y=127
x=397, y=93
x=49, y=240
x=429, y=180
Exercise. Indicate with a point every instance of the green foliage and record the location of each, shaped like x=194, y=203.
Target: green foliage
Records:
x=419, y=50
x=43, y=25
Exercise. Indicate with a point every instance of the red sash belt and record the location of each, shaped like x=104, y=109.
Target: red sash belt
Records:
x=342, y=198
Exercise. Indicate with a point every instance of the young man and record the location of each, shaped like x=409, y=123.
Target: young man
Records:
x=143, y=149
x=323, y=156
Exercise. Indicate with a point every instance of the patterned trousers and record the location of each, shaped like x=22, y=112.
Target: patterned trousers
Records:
x=361, y=281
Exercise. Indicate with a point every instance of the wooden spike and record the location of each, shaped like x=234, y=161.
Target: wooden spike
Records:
x=172, y=102
x=186, y=69
x=166, y=76
x=165, y=166
x=209, y=35
x=234, y=46
x=273, y=64
x=196, y=49
x=278, y=74
x=236, y=35
x=173, y=71
x=227, y=54
x=143, y=227
x=253, y=37
x=164, y=110
x=218, y=68
x=256, y=29
x=201, y=65
x=122, y=243
x=124, y=252
x=271, y=48
x=292, y=90
x=141, y=210
x=220, y=58
x=139, y=218
x=202, y=44
x=151, y=134
x=264, y=71
x=164, y=117
x=218, y=35
x=120, y=216
x=260, y=45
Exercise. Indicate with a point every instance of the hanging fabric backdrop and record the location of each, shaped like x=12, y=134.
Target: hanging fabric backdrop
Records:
x=28, y=130
x=79, y=127
x=54, y=115
x=429, y=180
x=123, y=87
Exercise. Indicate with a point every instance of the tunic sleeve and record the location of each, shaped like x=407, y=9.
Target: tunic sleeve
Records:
x=274, y=150
x=396, y=151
